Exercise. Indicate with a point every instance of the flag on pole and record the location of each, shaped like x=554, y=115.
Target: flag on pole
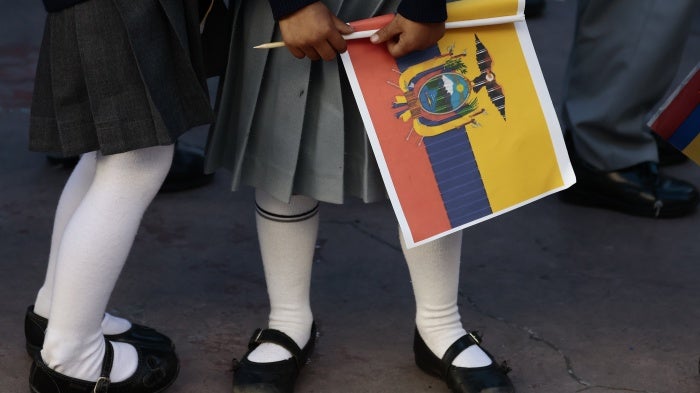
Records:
x=462, y=131
x=678, y=120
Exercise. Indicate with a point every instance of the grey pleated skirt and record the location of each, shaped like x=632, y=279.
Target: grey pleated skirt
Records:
x=289, y=126
x=115, y=76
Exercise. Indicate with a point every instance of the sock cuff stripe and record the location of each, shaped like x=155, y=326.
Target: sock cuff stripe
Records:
x=284, y=218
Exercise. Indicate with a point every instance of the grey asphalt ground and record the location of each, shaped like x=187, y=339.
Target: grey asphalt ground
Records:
x=576, y=299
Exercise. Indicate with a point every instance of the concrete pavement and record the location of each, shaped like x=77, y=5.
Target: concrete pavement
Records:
x=575, y=299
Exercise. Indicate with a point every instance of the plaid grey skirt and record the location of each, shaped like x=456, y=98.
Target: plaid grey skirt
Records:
x=115, y=76
x=289, y=126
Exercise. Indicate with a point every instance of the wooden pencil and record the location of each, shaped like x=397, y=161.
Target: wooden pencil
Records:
x=449, y=25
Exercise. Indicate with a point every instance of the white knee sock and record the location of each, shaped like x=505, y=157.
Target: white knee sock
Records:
x=287, y=235
x=75, y=189
x=434, y=269
x=92, y=251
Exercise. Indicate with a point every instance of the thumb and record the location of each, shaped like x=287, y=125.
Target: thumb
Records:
x=385, y=34
x=342, y=27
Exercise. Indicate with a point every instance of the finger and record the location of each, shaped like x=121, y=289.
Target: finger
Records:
x=338, y=43
x=326, y=51
x=336, y=40
x=342, y=27
x=296, y=52
x=387, y=33
x=311, y=53
x=398, y=48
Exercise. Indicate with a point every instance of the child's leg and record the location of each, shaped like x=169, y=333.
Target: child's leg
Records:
x=75, y=189
x=73, y=193
x=287, y=235
x=434, y=269
x=92, y=252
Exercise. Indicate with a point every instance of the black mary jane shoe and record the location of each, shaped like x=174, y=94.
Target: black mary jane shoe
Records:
x=488, y=379
x=274, y=377
x=156, y=371
x=138, y=335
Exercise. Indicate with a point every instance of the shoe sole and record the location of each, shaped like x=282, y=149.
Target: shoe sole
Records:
x=428, y=369
x=164, y=388
x=590, y=199
x=33, y=390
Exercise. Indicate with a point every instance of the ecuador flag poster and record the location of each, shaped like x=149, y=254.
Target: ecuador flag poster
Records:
x=462, y=131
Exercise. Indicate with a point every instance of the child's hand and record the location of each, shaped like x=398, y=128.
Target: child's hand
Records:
x=314, y=32
x=403, y=36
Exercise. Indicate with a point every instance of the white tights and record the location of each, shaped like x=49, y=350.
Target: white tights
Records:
x=98, y=215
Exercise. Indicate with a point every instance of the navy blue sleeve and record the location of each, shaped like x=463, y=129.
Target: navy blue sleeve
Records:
x=282, y=8
x=424, y=11
x=59, y=5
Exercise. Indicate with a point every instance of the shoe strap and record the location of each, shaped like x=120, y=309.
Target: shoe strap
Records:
x=102, y=384
x=457, y=347
x=36, y=318
x=274, y=336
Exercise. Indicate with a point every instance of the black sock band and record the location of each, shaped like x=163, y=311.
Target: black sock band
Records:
x=285, y=218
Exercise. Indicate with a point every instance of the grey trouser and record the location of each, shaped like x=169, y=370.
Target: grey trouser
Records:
x=625, y=56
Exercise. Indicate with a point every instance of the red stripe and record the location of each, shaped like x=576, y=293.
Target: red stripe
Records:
x=372, y=23
x=408, y=162
x=679, y=109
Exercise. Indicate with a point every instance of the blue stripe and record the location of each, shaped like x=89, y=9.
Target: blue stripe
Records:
x=474, y=215
x=687, y=131
x=458, y=177
x=414, y=58
x=452, y=183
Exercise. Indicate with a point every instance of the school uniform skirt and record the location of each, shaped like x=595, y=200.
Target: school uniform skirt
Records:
x=289, y=126
x=115, y=76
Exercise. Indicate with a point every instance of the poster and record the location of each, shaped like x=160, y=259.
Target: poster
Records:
x=463, y=131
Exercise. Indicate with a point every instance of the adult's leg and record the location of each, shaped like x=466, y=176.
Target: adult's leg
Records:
x=625, y=56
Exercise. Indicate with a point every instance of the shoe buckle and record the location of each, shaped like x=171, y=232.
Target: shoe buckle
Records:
x=658, y=205
x=102, y=385
x=475, y=337
x=256, y=338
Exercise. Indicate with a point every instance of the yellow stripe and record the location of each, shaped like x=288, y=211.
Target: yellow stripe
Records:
x=693, y=150
x=480, y=9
